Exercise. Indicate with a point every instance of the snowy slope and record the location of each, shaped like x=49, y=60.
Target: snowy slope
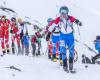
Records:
x=40, y=68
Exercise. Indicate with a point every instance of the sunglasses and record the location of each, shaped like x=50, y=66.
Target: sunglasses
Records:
x=63, y=12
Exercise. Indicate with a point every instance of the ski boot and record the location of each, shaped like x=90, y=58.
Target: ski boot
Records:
x=8, y=51
x=71, y=65
x=71, y=68
x=38, y=53
x=65, y=66
x=13, y=49
x=3, y=52
x=54, y=59
x=33, y=53
x=19, y=51
x=61, y=62
x=49, y=56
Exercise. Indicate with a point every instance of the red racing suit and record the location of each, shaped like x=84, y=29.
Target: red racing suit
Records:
x=15, y=34
x=4, y=34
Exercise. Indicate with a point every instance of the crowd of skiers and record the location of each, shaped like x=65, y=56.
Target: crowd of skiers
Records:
x=14, y=28
x=59, y=36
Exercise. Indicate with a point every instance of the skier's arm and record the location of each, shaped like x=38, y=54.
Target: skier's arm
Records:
x=78, y=22
x=51, y=27
x=48, y=36
x=96, y=46
x=54, y=23
x=73, y=19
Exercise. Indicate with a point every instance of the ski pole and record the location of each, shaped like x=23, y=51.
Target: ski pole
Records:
x=81, y=43
x=42, y=50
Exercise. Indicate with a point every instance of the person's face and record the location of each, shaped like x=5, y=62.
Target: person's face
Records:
x=64, y=14
x=3, y=19
x=14, y=21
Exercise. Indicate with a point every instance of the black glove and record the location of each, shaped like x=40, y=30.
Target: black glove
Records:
x=78, y=22
x=11, y=31
x=48, y=37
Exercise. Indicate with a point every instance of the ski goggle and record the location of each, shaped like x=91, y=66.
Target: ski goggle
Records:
x=63, y=12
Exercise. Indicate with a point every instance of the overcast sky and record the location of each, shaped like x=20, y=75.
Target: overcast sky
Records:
x=37, y=9
x=43, y=9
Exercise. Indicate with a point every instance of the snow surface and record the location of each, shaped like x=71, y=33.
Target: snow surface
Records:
x=40, y=68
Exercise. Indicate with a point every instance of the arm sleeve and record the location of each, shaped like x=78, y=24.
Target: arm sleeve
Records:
x=72, y=19
x=51, y=28
x=53, y=24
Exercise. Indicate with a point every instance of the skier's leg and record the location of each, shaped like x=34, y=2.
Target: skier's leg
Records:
x=22, y=42
x=27, y=50
x=3, y=46
x=54, y=42
x=39, y=46
x=13, y=47
x=34, y=49
x=18, y=43
x=7, y=41
x=57, y=50
x=54, y=52
x=2, y=42
x=60, y=55
x=63, y=54
x=19, y=50
x=63, y=50
x=71, y=44
x=18, y=39
x=48, y=50
x=1, y=39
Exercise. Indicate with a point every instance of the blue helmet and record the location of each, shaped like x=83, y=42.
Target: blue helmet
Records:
x=64, y=10
x=49, y=20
